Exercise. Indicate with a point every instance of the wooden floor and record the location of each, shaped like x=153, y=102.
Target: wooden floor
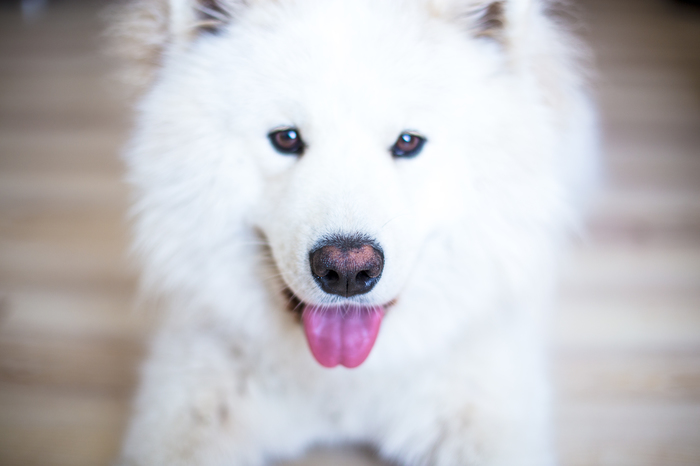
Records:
x=627, y=363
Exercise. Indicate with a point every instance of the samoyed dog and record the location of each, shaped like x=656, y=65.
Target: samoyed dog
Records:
x=352, y=211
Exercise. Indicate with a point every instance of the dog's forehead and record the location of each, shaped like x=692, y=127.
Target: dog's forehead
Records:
x=349, y=53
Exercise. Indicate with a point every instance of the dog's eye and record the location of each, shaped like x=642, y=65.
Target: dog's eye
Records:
x=407, y=145
x=287, y=141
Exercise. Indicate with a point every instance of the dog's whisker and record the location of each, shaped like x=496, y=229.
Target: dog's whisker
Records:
x=392, y=219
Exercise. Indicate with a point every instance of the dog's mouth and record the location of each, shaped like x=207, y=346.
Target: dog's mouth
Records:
x=341, y=334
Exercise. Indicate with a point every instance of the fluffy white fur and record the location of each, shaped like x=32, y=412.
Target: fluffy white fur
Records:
x=470, y=228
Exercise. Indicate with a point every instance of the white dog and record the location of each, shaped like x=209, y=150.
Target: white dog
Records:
x=377, y=185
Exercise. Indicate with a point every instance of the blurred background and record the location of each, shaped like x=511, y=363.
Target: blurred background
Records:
x=627, y=334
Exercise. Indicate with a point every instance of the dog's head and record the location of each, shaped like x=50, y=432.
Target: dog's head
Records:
x=345, y=133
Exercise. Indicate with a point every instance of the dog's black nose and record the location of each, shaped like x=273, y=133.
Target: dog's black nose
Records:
x=347, y=266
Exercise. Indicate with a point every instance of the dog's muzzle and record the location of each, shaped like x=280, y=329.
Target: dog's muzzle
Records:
x=345, y=333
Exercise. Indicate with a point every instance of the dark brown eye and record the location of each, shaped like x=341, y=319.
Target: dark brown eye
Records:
x=407, y=145
x=287, y=141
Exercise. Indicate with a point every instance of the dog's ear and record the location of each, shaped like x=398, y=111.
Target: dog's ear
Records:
x=531, y=36
x=487, y=19
x=191, y=17
x=497, y=20
x=139, y=32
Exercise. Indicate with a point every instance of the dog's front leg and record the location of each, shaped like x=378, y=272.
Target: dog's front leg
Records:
x=198, y=404
x=486, y=408
x=468, y=437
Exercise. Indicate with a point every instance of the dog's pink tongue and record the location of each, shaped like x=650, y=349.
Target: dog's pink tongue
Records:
x=341, y=335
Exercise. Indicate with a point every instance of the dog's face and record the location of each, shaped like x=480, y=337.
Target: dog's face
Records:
x=350, y=129
x=346, y=134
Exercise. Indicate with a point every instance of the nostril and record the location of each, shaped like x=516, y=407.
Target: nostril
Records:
x=363, y=276
x=331, y=276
